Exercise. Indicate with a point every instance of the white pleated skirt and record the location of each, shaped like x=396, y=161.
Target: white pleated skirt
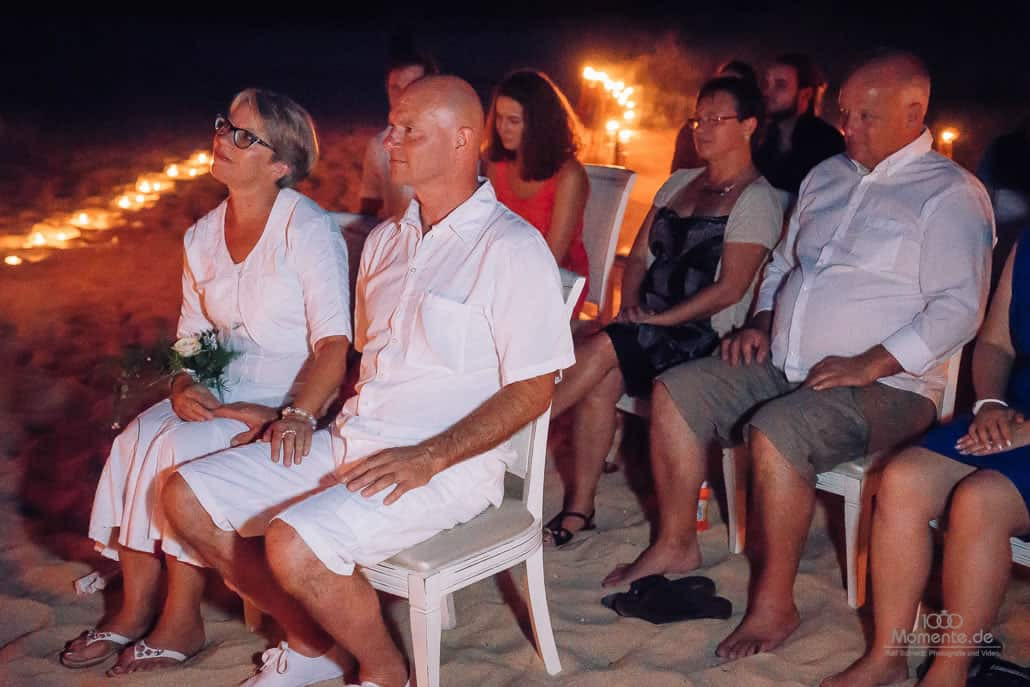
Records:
x=127, y=505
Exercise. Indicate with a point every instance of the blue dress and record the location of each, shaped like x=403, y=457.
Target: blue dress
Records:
x=1014, y=464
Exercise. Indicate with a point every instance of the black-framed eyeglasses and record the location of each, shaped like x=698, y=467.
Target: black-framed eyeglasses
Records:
x=240, y=137
x=696, y=122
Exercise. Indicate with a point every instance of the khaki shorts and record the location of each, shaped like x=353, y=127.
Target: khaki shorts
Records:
x=814, y=430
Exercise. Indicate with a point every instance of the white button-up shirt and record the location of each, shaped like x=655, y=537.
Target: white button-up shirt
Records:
x=445, y=319
x=899, y=256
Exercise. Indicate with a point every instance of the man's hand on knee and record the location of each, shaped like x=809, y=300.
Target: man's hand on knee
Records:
x=409, y=467
x=746, y=345
x=860, y=370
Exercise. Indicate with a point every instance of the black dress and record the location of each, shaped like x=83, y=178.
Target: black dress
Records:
x=686, y=254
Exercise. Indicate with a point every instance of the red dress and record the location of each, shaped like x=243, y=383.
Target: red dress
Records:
x=538, y=209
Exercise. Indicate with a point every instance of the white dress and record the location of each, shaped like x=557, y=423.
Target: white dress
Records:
x=290, y=292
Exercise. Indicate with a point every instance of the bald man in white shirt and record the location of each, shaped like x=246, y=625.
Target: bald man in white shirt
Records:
x=883, y=274
x=460, y=320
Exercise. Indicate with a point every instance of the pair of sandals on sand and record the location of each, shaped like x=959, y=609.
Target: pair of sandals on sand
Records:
x=653, y=598
x=660, y=600
x=141, y=651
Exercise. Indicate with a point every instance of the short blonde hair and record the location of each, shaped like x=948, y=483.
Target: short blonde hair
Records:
x=291, y=131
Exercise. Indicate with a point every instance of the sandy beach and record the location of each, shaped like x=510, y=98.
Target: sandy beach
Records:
x=64, y=318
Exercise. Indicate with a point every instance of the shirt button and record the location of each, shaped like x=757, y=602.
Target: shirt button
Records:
x=412, y=270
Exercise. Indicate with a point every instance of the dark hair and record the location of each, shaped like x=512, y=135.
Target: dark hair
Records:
x=412, y=58
x=740, y=68
x=808, y=75
x=549, y=136
x=750, y=102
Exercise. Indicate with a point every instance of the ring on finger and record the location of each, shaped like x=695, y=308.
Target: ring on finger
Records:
x=286, y=432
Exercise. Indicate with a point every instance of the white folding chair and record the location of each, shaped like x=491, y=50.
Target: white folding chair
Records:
x=572, y=286
x=847, y=480
x=602, y=219
x=429, y=573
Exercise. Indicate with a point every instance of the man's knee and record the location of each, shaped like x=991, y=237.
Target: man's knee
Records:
x=666, y=419
x=769, y=459
x=289, y=557
x=181, y=506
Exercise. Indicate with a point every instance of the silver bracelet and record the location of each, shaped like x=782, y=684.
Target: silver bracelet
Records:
x=289, y=411
x=984, y=401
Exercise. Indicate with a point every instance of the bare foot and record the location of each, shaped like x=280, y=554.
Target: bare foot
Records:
x=760, y=630
x=657, y=559
x=127, y=626
x=870, y=671
x=187, y=639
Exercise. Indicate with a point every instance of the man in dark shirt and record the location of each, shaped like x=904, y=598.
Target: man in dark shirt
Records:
x=796, y=139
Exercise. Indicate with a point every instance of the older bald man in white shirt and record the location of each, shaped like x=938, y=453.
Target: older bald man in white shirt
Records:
x=461, y=324
x=883, y=274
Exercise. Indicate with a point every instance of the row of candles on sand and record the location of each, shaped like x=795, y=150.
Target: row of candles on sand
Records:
x=60, y=230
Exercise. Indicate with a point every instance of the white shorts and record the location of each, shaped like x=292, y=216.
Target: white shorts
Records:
x=243, y=490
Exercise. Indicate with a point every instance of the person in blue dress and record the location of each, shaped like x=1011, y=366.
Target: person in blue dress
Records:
x=975, y=471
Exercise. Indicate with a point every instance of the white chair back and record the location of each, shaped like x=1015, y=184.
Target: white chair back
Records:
x=530, y=442
x=572, y=286
x=602, y=219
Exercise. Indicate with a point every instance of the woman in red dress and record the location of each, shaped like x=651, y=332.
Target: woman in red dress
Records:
x=531, y=162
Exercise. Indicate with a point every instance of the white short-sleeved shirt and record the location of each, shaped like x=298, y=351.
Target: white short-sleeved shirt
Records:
x=756, y=217
x=290, y=291
x=375, y=179
x=444, y=320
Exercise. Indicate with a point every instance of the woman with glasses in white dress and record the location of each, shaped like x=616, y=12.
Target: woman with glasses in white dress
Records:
x=267, y=269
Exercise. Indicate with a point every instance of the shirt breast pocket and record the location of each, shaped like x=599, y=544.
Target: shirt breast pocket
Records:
x=439, y=333
x=878, y=245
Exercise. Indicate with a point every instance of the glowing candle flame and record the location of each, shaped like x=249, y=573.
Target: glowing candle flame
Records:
x=949, y=135
x=124, y=202
x=83, y=218
x=625, y=135
x=140, y=197
x=193, y=172
x=38, y=239
x=143, y=186
x=612, y=125
x=588, y=73
x=172, y=171
x=628, y=115
x=61, y=236
x=630, y=105
x=202, y=158
x=13, y=260
x=157, y=186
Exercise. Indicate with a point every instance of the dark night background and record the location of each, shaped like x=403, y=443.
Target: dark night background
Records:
x=108, y=76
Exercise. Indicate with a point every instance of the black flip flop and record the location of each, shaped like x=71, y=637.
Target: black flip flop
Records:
x=995, y=672
x=659, y=600
x=985, y=657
